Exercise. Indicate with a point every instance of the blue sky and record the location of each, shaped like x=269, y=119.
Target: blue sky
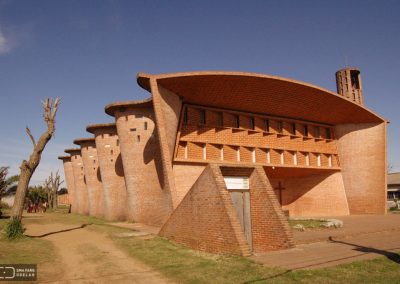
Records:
x=88, y=53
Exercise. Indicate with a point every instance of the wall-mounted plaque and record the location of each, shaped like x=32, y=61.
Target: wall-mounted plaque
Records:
x=237, y=182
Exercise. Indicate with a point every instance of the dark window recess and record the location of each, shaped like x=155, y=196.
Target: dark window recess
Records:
x=145, y=125
x=126, y=118
x=328, y=133
x=202, y=116
x=117, y=142
x=280, y=127
x=138, y=138
x=266, y=125
x=354, y=76
x=305, y=130
x=294, y=128
x=185, y=116
x=237, y=121
x=133, y=129
x=220, y=119
x=252, y=123
x=112, y=152
x=317, y=132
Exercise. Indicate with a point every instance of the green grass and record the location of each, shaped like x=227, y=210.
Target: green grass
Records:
x=184, y=265
x=308, y=224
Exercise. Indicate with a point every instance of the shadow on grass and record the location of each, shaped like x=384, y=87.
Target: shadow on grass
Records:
x=395, y=257
x=60, y=231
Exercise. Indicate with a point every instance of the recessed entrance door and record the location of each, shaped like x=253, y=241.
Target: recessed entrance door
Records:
x=241, y=202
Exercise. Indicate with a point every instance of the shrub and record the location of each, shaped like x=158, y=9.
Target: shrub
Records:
x=14, y=229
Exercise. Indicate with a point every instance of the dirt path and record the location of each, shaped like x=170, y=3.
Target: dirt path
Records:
x=87, y=256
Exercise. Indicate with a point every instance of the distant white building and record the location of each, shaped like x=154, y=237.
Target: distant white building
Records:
x=393, y=186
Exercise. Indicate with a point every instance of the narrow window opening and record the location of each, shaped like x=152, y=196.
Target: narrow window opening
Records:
x=330, y=160
x=145, y=125
x=252, y=123
x=237, y=121
x=117, y=142
x=294, y=128
x=222, y=153
x=126, y=118
x=138, y=138
x=282, y=157
x=186, y=150
x=112, y=152
x=202, y=116
x=266, y=125
x=253, y=155
x=305, y=130
x=307, y=159
x=318, y=160
x=133, y=129
x=280, y=127
x=317, y=132
x=328, y=133
x=268, y=157
x=238, y=154
x=204, y=152
x=294, y=158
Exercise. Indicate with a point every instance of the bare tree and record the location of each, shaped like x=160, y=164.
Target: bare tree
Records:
x=52, y=184
x=47, y=188
x=27, y=168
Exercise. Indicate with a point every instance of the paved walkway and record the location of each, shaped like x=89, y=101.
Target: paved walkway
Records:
x=362, y=237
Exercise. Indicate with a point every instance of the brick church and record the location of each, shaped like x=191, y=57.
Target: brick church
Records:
x=217, y=159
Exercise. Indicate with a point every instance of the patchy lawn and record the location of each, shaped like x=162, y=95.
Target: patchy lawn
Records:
x=308, y=224
x=183, y=265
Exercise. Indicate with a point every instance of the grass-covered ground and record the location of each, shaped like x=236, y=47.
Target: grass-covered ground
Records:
x=187, y=266
x=308, y=224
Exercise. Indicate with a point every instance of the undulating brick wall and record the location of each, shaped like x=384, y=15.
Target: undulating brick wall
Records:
x=362, y=148
x=93, y=177
x=69, y=181
x=147, y=202
x=81, y=193
x=111, y=170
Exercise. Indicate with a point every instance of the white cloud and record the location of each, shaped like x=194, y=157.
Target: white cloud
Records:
x=5, y=44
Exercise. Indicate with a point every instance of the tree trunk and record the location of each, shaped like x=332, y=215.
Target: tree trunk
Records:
x=28, y=167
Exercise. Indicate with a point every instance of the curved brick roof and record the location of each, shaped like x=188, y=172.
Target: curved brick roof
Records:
x=82, y=141
x=91, y=128
x=72, y=150
x=264, y=94
x=64, y=158
x=111, y=108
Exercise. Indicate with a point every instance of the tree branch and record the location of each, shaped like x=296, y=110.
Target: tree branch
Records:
x=28, y=131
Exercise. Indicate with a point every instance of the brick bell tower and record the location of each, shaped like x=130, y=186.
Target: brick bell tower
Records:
x=348, y=83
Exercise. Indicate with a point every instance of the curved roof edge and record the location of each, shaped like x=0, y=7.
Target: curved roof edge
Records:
x=72, y=150
x=63, y=158
x=92, y=127
x=143, y=80
x=112, y=107
x=81, y=141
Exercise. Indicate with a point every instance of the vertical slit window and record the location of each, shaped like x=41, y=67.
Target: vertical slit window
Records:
x=204, y=152
x=328, y=133
x=318, y=160
x=317, y=132
x=330, y=160
x=222, y=153
x=282, y=157
x=280, y=127
x=252, y=123
x=253, y=155
x=202, y=116
x=238, y=154
x=145, y=125
x=268, y=157
x=307, y=159
x=294, y=158
x=237, y=121
x=185, y=150
x=294, y=128
x=138, y=138
x=266, y=125
x=305, y=130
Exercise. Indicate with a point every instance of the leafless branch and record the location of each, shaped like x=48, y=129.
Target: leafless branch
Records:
x=28, y=131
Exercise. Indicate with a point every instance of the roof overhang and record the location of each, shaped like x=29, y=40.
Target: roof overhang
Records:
x=101, y=126
x=263, y=94
x=111, y=108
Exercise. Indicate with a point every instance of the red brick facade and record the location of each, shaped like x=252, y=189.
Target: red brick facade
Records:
x=304, y=149
x=111, y=170
x=69, y=181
